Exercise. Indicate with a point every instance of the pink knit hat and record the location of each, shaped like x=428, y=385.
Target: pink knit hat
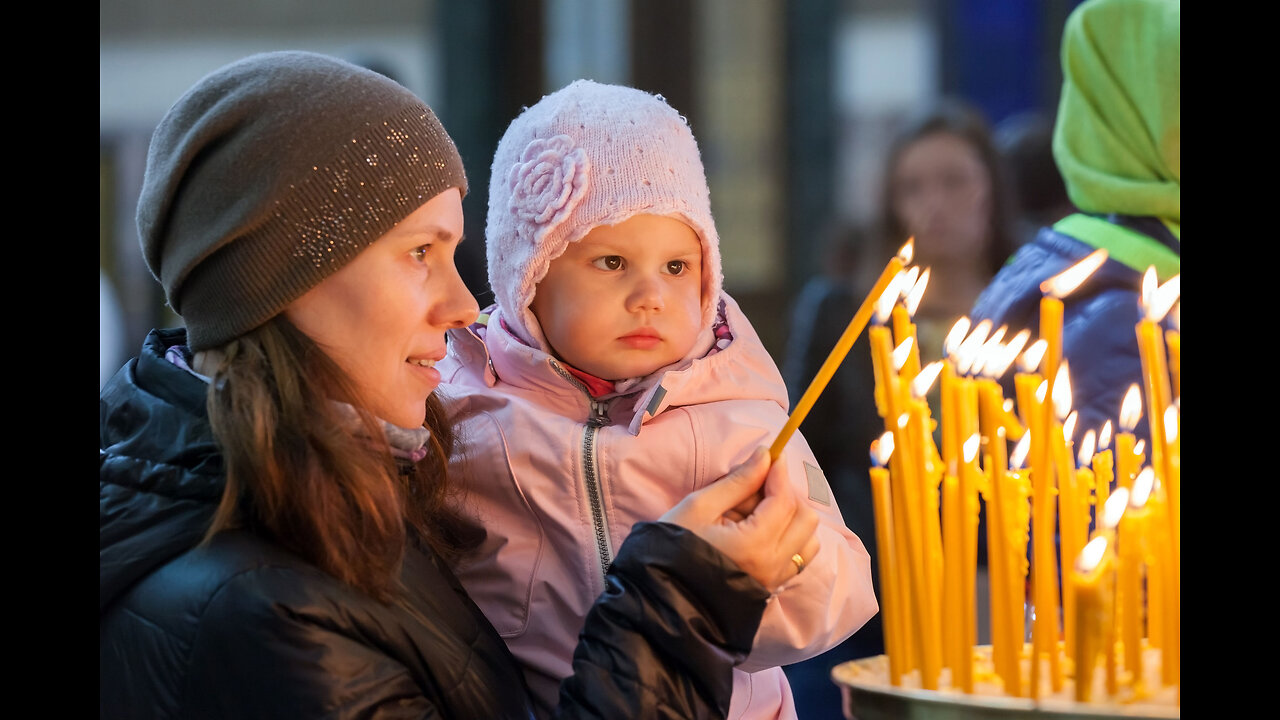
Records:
x=588, y=155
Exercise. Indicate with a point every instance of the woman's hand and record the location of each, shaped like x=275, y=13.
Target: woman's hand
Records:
x=763, y=542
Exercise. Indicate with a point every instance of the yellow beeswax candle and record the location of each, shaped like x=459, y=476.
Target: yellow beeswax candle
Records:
x=1131, y=543
x=1008, y=650
x=841, y=349
x=1173, y=340
x=904, y=329
x=906, y=503
x=890, y=609
x=955, y=649
x=1092, y=576
x=1102, y=474
x=1109, y=517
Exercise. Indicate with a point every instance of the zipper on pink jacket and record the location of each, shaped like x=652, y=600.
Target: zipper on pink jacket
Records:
x=591, y=475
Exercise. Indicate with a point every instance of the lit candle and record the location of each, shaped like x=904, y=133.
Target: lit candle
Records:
x=841, y=349
x=903, y=328
x=891, y=612
x=1091, y=580
x=1103, y=464
x=1109, y=524
x=1130, y=413
x=1004, y=593
x=1132, y=529
x=1173, y=340
x=907, y=508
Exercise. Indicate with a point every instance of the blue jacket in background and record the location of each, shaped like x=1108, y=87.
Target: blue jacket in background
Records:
x=1099, y=319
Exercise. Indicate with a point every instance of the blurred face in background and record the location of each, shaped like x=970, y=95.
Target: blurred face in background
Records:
x=942, y=194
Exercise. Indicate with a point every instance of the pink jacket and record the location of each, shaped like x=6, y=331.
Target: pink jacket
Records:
x=557, y=480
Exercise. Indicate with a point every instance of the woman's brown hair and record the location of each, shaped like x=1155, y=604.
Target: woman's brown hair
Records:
x=298, y=472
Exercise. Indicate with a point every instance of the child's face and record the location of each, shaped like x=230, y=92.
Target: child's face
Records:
x=626, y=299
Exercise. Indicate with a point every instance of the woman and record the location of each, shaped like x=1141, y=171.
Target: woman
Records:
x=275, y=517
x=943, y=185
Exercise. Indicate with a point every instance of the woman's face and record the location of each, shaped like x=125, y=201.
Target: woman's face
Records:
x=382, y=317
x=942, y=196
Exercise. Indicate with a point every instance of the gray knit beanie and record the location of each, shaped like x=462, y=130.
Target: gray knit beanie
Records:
x=273, y=172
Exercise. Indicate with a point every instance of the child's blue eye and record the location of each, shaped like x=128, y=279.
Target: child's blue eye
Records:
x=608, y=262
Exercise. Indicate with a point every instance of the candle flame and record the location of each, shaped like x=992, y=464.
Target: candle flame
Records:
x=1131, y=408
x=1163, y=299
x=1086, y=447
x=1007, y=405
x=967, y=354
x=1114, y=509
x=1140, y=446
x=971, y=446
x=1104, y=437
x=1141, y=489
x=1063, y=283
x=882, y=448
x=1032, y=357
x=888, y=298
x=1019, y=453
x=1007, y=354
x=955, y=336
x=912, y=300
x=1170, y=423
x=1149, y=284
x=923, y=380
x=1092, y=554
x=902, y=352
x=907, y=251
x=990, y=354
x=1041, y=389
x=1175, y=316
x=1062, y=391
x=1069, y=427
x=903, y=419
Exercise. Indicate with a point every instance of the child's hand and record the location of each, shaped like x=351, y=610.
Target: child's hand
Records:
x=763, y=540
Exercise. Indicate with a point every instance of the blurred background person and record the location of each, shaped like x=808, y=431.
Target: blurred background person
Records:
x=1025, y=143
x=1118, y=142
x=944, y=185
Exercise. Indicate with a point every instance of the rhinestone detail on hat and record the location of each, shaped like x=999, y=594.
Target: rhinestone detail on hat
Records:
x=377, y=179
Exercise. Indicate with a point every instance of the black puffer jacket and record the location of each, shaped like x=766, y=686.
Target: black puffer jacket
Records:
x=240, y=628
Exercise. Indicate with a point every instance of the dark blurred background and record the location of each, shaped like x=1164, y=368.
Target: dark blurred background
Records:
x=793, y=102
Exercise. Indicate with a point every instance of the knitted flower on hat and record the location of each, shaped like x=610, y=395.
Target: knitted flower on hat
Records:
x=588, y=155
x=547, y=184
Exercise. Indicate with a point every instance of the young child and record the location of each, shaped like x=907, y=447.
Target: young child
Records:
x=612, y=361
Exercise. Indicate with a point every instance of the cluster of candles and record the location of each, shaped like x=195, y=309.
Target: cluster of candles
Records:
x=1115, y=515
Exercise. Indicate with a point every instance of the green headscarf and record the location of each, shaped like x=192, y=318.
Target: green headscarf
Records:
x=1118, y=136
